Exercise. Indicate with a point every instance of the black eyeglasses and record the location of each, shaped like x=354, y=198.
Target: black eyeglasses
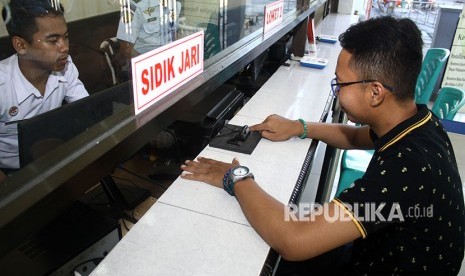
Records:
x=336, y=86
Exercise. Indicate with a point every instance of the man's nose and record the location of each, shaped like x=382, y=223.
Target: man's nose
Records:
x=63, y=45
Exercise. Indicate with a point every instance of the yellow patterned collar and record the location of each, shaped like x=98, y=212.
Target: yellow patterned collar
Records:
x=400, y=131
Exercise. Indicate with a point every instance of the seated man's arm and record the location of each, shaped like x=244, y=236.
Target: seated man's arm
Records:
x=124, y=54
x=126, y=50
x=295, y=240
x=341, y=136
x=277, y=128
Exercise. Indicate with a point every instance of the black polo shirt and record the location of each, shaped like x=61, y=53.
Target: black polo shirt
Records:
x=409, y=205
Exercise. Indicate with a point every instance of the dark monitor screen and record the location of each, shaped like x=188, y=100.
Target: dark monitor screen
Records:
x=46, y=131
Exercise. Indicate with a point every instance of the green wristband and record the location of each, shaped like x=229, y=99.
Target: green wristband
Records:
x=304, y=134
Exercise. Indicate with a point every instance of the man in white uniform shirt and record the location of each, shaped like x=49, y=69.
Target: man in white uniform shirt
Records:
x=39, y=77
x=146, y=25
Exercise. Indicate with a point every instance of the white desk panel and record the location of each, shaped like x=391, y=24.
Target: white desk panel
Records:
x=303, y=85
x=304, y=82
x=172, y=241
x=263, y=104
x=206, y=199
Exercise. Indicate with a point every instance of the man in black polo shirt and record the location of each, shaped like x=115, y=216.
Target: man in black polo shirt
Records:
x=406, y=214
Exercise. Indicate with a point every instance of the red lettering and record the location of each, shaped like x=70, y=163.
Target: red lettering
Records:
x=164, y=71
x=187, y=61
x=274, y=14
x=158, y=74
x=151, y=78
x=194, y=55
x=181, y=68
x=145, y=81
x=170, y=68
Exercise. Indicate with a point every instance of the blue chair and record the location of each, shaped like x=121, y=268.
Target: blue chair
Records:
x=353, y=166
x=449, y=101
x=433, y=63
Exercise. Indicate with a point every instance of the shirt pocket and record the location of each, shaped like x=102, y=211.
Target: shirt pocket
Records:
x=151, y=19
x=8, y=129
x=152, y=26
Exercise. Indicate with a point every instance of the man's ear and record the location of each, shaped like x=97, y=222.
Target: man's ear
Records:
x=19, y=44
x=377, y=93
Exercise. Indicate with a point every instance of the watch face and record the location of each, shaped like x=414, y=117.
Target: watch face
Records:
x=240, y=171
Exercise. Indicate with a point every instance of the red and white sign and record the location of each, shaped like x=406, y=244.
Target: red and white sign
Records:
x=159, y=72
x=274, y=13
x=311, y=36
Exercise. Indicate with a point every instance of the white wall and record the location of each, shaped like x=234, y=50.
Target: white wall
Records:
x=359, y=5
x=346, y=6
x=349, y=6
x=76, y=9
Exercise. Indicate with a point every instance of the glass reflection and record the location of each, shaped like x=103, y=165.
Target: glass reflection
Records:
x=148, y=24
x=105, y=34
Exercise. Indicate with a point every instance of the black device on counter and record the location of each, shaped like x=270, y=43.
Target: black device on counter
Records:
x=241, y=136
x=236, y=138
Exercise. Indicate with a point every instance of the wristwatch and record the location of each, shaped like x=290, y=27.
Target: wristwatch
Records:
x=236, y=174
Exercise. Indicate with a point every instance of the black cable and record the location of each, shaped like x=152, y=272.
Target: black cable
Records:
x=178, y=147
x=125, y=179
x=96, y=261
x=124, y=222
x=226, y=134
x=141, y=177
x=134, y=185
x=90, y=201
x=232, y=131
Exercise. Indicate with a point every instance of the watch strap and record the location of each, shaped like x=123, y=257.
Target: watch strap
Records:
x=229, y=183
x=227, y=187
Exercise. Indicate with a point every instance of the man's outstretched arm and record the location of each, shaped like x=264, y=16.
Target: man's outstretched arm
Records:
x=294, y=240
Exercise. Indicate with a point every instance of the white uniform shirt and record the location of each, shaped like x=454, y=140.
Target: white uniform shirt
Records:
x=19, y=100
x=150, y=27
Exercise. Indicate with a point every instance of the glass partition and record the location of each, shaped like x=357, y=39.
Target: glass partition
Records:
x=98, y=132
x=105, y=34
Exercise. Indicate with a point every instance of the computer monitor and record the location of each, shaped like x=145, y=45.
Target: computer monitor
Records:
x=54, y=244
x=45, y=132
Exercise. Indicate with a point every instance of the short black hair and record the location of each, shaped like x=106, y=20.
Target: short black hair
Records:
x=386, y=49
x=21, y=20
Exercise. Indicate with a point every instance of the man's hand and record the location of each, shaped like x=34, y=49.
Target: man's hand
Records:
x=124, y=54
x=277, y=128
x=207, y=170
